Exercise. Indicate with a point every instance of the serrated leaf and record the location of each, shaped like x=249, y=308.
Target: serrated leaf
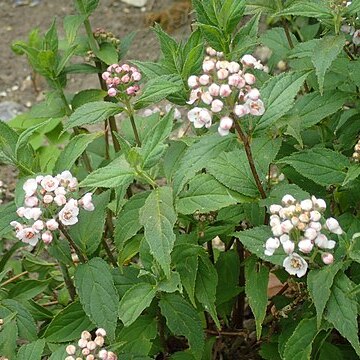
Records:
x=172, y=157
x=73, y=150
x=85, y=96
x=86, y=7
x=182, y=319
x=28, y=289
x=128, y=222
x=92, y=113
x=314, y=8
x=185, y=259
x=24, y=320
x=352, y=174
x=158, y=218
x=205, y=194
x=205, y=287
x=88, y=232
x=256, y=285
x=341, y=310
x=137, y=337
x=135, y=301
x=278, y=94
x=153, y=145
x=198, y=155
x=254, y=241
x=261, y=6
x=98, y=295
x=319, y=283
x=299, y=345
x=7, y=214
x=323, y=166
x=68, y=324
x=326, y=51
x=157, y=89
x=107, y=53
x=116, y=174
x=71, y=26
x=31, y=351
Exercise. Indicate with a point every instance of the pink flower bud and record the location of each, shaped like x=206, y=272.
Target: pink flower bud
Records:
x=71, y=349
x=91, y=345
x=274, y=220
x=283, y=238
x=82, y=343
x=333, y=226
x=38, y=225
x=132, y=90
x=288, y=247
x=103, y=354
x=112, y=92
x=125, y=79
x=286, y=226
x=52, y=224
x=85, y=351
x=116, y=81
x=274, y=209
x=48, y=199
x=225, y=90
x=193, y=81
x=327, y=258
x=272, y=243
x=305, y=246
x=306, y=205
x=236, y=80
x=125, y=67
x=249, y=78
x=30, y=187
x=241, y=110
x=217, y=105
x=31, y=201
x=60, y=200
x=47, y=237
x=321, y=241
x=105, y=75
x=39, y=178
x=99, y=341
x=315, y=225
x=233, y=67
x=100, y=332
x=315, y=215
x=90, y=357
x=208, y=65
x=248, y=60
x=226, y=123
x=204, y=79
x=310, y=233
x=206, y=98
x=210, y=51
x=319, y=204
x=214, y=89
x=70, y=358
x=20, y=211
x=222, y=74
x=136, y=76
x=222, y=64
x=253, y=94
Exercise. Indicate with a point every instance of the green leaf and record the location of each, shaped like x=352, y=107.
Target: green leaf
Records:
x=7, y=214
x=24, y=320
x=9, y=335
x=326, y=51
x=319, y=283
x=153, y=147
x=68, y=324
x=28, y=289
x=86, y=7
x=330, y=352
x=323, y=166
x=116, y=174
x=86, y=96
x=205, y=287
x=158, y=218
x=215, y=37
x=261, y=6
x=172, y=158
x=316, y=9
x=128, y=222
x=98, y=294
x=256, y=285
x=31, y=351
x=73, y=150
x=172, y=284
x=230, y=14
x=125, y=278
x=157, y=89
x=72, y=24
x=125, y=44
x=107, y=53
x=198, y=156
x=205, y=194
x=88, y=232
x=254, y=241
x=92, y=113
x=182, y=319
x=185, y=259
x=341, y=310
x=137, y=337
x=299, y=345
x=352, y=174
x=67, y=55
x=278, y=94
x=135, y=301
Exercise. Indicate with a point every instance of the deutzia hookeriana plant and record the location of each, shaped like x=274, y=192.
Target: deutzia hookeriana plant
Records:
x=298, y=227
x=225, y=89
x=48, y=202
x=90, y=349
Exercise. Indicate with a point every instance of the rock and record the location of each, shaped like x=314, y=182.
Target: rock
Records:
x=136, y=3
x=10, y=109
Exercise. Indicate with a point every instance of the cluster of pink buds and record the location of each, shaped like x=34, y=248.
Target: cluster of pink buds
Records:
x=224, y=89
x=122, y=78
x=90, y=349
x=301, y=224
x=48, y=201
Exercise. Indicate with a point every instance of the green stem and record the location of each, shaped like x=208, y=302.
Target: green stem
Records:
x=130, y=111
x=68, y=281
x=81, y=257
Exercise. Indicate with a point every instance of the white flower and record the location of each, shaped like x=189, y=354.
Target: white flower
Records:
x=225, y=125
x=30, y=187
x=274, y=220
x=28, y=235
x=193, y=81
x=319, y=204
x=321, y=241
x=274, y=208
x=194, y=96
x=249, y=78
x=236, y=80
x=68, y=214
x=288, y=247
x=288, y=200
x=225, y=90
x=49, y=183
x=217, y=105
x=200, y=117
x=284, y=238
x=310, y=233
x=52, y=224
x=38, y=225
x=256, y=108
x=271, y=245
x=277, y=230
x=233, y=67
x=16, y=225
x=306, y=205
x=214, y=89
x=315, y=225
x=86, y=202
x=286, y=226
x=294, y=264
x=48, y=199
x=31, y=201
x=208, y=65
x=241, y=110
x=327, y=258
x=60, y=191
x=204, y=79
x=305, y=246
x=222, y=74
x=248, y=60
x=47, y=237
x=206, y=98
x=253, y=94
x=315, y=215
x=32, y=213
x=333, y=226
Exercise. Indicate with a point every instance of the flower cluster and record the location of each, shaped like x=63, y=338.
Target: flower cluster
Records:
x=225, y=89
x=101, y=35
x=356, y=154
x=301, y=224
x=48, y=201
x=90, y=349
x=122, y=78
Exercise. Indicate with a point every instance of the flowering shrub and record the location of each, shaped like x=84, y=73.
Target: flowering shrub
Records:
x=175, y=235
